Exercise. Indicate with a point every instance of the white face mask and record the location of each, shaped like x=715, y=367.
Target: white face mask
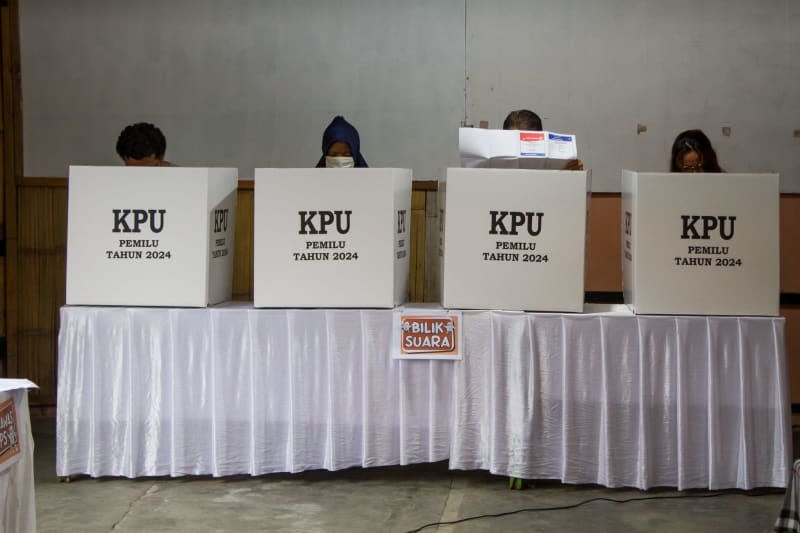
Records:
x=339, y=162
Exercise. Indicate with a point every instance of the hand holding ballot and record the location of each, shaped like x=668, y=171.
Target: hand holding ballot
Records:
x=527, y=120
x=479, y=148
x=574, y=164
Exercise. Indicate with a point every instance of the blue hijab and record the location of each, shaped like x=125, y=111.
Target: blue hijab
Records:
x=341, y=130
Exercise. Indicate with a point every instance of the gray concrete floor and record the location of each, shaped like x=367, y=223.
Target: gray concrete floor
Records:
x=378, y=499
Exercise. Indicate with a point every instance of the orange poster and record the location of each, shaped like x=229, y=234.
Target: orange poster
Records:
x=428, y=336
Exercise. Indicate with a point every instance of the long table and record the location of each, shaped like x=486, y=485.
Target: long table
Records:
x=607, y=398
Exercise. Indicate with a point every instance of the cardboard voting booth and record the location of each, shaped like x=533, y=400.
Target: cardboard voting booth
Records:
x=150, y=236
x=331, y=237
x=514, y=239
x=700, y=244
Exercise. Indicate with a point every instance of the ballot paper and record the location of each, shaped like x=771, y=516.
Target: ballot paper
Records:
x=482, y=148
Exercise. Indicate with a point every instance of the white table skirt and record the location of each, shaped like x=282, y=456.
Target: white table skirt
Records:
x=616, y=400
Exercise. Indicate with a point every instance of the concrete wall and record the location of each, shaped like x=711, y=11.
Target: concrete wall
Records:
x=242, y=83
x=598, y=69
x=253, y=83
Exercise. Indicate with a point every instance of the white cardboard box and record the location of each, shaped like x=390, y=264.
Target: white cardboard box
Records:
x=331, y=237
x=700, y=244
x=514, y=239
x=150, y=236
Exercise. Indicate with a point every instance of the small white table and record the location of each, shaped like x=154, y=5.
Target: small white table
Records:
x=17, y=495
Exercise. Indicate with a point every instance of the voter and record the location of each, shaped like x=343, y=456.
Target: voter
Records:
x=527, y=120
x=692, y=152
x=142, y=145
x=341, y=147
x=523, y=119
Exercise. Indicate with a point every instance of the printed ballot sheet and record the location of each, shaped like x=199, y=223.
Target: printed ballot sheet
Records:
x=482, y=148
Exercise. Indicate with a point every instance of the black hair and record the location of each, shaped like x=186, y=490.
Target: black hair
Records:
x=140, y=140
x=523, y=119
x=694, y=141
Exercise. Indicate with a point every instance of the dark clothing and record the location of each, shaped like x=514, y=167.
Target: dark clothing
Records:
x=341, y=130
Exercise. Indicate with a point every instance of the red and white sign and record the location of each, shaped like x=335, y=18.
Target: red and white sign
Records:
x=9, y=433
x=427, y=335
x=532, y=143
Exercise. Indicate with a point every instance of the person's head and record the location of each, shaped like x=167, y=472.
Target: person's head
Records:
x=524, y=119
x=142, y=144
x=692, y=152
x=341, y=146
